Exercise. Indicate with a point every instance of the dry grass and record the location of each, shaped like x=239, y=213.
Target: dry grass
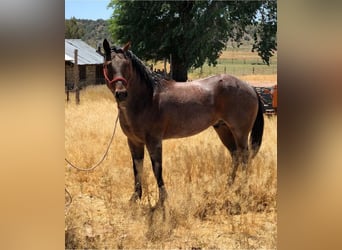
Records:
x=260, y=80
x=244, y=52
x=201, y=211
x=238, y=54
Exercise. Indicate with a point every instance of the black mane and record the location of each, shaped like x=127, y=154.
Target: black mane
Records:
x=152, y=79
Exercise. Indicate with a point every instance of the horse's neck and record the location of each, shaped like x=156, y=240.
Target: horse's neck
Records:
x=140, y=94
x=139, y=100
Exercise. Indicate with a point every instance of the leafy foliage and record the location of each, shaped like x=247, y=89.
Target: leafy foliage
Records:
x=266, y=30
x=191, y=31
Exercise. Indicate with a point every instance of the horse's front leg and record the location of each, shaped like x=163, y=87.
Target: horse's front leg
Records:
x=137, y=152
x=154, y=147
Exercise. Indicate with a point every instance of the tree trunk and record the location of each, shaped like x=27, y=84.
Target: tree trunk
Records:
x=179, y=71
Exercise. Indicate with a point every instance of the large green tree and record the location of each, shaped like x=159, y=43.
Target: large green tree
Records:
x=192, y=32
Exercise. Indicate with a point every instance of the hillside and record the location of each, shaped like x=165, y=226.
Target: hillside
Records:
x=94, y=31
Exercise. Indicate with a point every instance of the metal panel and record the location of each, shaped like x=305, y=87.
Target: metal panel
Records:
x=86, y=53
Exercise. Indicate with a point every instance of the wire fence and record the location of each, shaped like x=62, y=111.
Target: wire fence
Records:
x=236, y=66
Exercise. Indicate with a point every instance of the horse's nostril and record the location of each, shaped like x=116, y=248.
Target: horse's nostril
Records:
x=120, y=95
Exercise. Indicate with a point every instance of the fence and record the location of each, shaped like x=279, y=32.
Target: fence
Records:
x=237, y=67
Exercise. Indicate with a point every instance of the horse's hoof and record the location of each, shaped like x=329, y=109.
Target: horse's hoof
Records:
x=230, y=181
x=134, y=198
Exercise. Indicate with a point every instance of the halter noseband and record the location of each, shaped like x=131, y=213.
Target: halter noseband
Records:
x=115, y=79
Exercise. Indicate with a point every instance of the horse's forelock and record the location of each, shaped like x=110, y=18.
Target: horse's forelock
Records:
x=117, y=49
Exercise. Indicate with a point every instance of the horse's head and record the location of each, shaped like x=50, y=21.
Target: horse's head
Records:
x=117, y=69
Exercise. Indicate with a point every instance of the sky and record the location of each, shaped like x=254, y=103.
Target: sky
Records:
x=87, y=9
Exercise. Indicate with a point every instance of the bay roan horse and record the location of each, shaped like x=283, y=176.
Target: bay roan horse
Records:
x=152, y=109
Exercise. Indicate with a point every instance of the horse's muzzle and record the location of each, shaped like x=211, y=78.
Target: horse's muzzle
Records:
x=121, y=95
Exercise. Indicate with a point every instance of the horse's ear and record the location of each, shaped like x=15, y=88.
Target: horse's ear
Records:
x=127, y=46
x=106, y=48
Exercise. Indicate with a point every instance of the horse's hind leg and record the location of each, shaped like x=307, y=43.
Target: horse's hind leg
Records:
x=228, y=140
x=242, y=152
x=137, y=152
x=226, y=136
x=237, y=145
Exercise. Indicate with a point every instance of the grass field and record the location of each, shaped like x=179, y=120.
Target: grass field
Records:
x=201, y=211
x=239, y=62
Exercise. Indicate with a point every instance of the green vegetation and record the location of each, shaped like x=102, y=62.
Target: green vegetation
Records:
x=73, y=29
x=92, y=32
x=239, y=62
x=193, y=32
x=225, y=47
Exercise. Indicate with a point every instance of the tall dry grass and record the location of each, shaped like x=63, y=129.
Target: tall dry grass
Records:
x=201, y=211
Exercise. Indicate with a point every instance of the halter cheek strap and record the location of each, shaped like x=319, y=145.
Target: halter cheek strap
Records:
x=115, y=79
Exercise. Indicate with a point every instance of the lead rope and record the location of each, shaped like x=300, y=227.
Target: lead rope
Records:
x=103, y=157
x=96, y=165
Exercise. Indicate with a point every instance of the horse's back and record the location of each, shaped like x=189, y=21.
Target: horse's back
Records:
x=190, y=107
x=235, y=83
x=231, y=89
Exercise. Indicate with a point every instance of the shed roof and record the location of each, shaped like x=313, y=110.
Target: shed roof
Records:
x=68, y=58
x=86, y=53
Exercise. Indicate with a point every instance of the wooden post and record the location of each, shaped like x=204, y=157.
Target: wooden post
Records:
x=67, y=93
x=171, y=71
x=76, y=77
x=164, y=67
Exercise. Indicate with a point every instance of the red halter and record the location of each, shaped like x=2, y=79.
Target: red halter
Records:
x=115, y=79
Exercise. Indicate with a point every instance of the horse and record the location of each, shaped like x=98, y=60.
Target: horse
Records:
x=152, y=109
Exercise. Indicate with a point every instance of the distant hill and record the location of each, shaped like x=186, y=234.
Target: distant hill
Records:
x=94, y=31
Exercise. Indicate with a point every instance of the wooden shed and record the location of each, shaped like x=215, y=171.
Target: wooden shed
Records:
x=89, y=61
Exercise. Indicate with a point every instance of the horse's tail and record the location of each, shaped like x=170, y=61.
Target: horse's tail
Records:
x=258, y=129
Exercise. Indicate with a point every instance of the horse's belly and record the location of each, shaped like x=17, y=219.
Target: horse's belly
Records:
x=189, y=126
x=187, y=112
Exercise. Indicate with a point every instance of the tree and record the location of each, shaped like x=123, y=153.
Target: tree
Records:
x=265, y=40
x=192, y=32
x=72, y=29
